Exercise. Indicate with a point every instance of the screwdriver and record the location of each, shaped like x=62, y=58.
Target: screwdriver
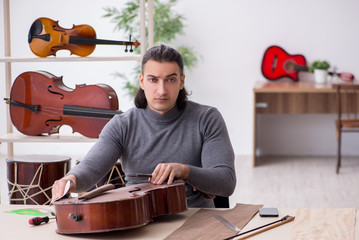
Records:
x=38, y=220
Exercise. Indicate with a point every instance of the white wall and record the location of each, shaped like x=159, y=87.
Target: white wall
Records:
x=231, y=37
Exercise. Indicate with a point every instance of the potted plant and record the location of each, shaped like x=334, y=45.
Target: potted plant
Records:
x=320, y=69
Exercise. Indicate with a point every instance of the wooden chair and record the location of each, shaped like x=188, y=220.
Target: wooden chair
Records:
x=348, y=112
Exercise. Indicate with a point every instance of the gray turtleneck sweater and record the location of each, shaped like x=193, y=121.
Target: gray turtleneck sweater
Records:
x=141, y=138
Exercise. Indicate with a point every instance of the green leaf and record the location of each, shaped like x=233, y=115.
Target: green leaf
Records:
x=31, y=212
x=319, y=65
x=189, y=57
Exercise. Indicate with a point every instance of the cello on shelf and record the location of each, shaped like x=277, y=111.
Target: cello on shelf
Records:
x=40, y=103
x=46, y=37
x=108, y=209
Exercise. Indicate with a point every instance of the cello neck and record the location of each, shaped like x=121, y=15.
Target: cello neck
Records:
x=89, y=112
x=71, y=110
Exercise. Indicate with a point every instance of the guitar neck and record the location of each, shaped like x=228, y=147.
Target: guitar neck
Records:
x=94, y=41
x=300, y=67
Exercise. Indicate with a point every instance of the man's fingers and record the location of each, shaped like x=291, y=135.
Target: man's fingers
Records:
x=171, y=177
x=169, y=172
x=59, y=187
x=161, y=173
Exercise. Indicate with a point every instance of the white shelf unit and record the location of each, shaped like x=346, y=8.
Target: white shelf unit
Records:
x=70, y=59
x=65, y=138
x=10, y=138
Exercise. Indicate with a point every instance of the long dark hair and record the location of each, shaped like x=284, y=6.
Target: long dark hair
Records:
x=162, y=53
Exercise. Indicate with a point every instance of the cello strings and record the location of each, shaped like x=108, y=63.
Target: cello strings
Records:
x=55, y=110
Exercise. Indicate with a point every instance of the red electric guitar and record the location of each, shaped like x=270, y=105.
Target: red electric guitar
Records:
x=277, y=63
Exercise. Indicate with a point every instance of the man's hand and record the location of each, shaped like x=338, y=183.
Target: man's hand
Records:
x=171, y=171
x=58, y=187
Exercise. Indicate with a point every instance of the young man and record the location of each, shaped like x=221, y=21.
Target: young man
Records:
x=165, y=135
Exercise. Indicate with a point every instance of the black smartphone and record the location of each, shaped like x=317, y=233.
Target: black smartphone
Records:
x=268, y=212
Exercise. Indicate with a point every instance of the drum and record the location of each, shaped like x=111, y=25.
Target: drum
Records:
x=30, y=177
x=114, y=176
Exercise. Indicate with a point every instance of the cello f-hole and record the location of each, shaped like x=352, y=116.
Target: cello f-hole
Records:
x=48, y=89
x=135, y=190
x=53, y=120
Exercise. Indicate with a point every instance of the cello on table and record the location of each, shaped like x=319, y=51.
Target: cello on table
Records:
x=107, y=209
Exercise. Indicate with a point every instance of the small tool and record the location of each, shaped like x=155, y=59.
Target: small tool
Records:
x=38, y=220
x=227, y=223
x=263, y=228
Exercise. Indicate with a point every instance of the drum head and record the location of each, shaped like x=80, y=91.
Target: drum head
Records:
x=37, y=158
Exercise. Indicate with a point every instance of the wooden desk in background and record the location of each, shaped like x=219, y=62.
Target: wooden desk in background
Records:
x=291, y=98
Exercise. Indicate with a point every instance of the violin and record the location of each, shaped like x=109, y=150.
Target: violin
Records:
x=118, y=209
x=40, y=103
x=46, y=37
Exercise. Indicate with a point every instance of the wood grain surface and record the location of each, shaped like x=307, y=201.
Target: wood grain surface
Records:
x=324, y=223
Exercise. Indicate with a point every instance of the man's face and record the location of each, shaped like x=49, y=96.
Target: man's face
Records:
x=161, y=83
